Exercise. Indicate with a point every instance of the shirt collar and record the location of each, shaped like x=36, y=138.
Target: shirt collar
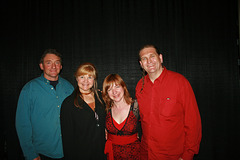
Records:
x=160, y=78
x=47, y=81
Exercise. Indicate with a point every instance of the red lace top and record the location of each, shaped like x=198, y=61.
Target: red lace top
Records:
x=118, y=126
x=130, y=151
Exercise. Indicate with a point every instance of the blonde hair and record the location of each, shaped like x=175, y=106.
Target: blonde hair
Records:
x=86, y=69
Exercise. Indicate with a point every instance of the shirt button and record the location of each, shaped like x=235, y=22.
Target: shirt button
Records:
x=56, y=96
x=51, y=88
x=58, y=106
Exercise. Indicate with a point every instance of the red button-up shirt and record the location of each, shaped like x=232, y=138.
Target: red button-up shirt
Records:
x=170, y=118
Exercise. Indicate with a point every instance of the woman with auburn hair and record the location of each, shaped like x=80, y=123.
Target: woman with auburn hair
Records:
x=83, y=118
x=121, y=120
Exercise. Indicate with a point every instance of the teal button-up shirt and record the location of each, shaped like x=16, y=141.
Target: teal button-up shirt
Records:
x=38, y=117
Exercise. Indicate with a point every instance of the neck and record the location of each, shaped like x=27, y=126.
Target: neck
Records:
x=154, y=76
x=86, y=93
x=120, y=104
x=50, y=78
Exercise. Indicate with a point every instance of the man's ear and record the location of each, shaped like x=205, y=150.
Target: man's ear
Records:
x=41, y=66
x=161, y=58
x=140, y=64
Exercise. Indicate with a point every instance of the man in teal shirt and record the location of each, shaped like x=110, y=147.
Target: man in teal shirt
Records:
x=38, y=110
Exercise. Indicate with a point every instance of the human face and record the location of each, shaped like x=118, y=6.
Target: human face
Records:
x=51, y=67
x=150, y=61
x=116, y=92
x=85, y=83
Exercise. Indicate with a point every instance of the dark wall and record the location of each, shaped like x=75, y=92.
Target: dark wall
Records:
x=197, y=39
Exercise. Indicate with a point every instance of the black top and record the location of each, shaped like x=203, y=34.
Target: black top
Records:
x=83, y=132
x=54, y=83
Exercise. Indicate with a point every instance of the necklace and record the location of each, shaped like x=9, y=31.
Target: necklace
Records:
x=86, y=93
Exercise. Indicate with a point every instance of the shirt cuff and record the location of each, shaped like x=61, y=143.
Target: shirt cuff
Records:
x=187, y=156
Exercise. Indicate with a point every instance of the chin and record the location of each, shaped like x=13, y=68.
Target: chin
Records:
x=151, y=71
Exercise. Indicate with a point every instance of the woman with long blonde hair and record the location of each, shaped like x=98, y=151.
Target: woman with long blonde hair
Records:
x=83, y=118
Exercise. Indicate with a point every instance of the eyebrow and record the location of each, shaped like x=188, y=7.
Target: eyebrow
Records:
x=52, y=60
x=151, y=53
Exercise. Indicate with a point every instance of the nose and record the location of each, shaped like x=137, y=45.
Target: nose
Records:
x=114, y=91
x=85, y=79
x=53, y=65
x=149, y=60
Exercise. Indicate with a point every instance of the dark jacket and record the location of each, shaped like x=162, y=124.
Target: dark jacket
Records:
x=83, y=135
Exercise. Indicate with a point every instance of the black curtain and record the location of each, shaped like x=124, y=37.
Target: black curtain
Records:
x=197, y=39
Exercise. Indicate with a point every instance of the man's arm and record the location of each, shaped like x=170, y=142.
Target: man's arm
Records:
x=24, y=126
x=192, y=123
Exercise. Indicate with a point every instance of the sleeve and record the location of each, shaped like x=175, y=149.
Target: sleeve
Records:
x=138, y=88
x=192, y=122
x=67, y=129
x=23, y=124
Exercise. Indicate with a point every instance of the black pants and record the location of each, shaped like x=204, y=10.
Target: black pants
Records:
x=48, y=158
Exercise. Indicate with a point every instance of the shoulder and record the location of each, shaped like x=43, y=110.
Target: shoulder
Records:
x=64, y=81
x=139, y=84
x=135, y=108
x=173, y=74
x=100, y=100
x=99, y=92
x=66, y=84
x=176, y=76
x=140, y=81
x=69, y=98
x=32, y=83
x=177, y=79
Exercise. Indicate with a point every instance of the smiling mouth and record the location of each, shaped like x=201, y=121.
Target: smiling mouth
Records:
x=115, y=96
x=152, y=66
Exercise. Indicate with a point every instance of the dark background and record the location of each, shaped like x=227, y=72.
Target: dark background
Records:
x=198, y=38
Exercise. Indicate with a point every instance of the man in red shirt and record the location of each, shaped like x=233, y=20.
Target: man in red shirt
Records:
x=170, y=119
